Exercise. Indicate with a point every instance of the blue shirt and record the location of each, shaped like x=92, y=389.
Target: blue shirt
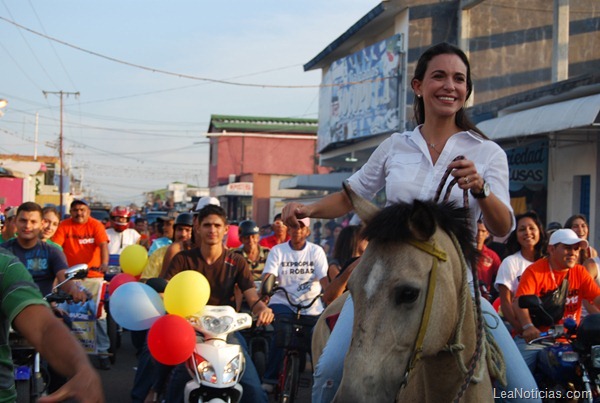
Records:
x=42, y=261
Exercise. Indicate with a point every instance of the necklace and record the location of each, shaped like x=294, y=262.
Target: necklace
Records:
x=432, y=146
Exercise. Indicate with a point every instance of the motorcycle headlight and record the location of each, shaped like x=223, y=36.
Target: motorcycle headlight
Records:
x=595, y=356
x=233, y=369
x=569, y=356
x=218, y=325
x=207, y=372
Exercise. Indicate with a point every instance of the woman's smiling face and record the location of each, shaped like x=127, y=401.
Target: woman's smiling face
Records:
x=580, y=227
x=444, y=86
x=528, y=233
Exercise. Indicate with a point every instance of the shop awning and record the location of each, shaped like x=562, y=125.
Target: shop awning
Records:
x=574, y=113
x=330, y=182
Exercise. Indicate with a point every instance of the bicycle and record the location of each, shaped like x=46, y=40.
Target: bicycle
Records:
x=294, y=335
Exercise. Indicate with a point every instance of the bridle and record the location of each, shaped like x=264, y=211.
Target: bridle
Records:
x=441, y=256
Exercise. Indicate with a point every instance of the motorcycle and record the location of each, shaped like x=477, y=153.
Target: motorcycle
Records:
x=570, y=363
x=216, y=366
x=31, y=378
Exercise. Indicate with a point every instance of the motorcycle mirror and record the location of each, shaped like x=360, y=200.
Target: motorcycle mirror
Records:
x=78, y=270
x=267, y=285
x=529, y=301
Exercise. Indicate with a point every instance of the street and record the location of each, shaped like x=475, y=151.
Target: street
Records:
x=118, y=380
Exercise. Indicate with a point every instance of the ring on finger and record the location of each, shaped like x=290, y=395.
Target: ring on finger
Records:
x=466, y=179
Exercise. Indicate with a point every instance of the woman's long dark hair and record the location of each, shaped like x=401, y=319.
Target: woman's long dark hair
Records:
x=444, y=48
x=346, y=244
x=512, y=244
x=584, y=254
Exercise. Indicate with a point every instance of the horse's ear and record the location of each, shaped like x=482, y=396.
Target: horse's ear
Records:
x=364, y=208
x=422, y=221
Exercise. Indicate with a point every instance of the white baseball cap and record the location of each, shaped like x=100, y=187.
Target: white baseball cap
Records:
x=567, y=236
x=205, y=201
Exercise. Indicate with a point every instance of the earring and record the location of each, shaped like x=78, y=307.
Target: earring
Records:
x=418, y=95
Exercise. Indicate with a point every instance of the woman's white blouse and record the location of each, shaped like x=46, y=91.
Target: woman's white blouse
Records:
x=402, y=164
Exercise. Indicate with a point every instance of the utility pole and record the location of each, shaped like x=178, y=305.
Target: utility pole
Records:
x=60, y=143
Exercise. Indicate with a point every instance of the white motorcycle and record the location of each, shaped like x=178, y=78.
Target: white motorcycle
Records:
x=216, y=366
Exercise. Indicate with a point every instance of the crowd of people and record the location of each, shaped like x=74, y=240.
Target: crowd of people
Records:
x=311, y=260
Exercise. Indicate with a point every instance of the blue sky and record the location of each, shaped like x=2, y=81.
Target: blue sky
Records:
x=133, y=130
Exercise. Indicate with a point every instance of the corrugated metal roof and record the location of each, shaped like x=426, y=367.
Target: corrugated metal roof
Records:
x=574, y=113
x=263, y=124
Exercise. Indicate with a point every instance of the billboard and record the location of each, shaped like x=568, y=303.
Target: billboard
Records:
x=360, y=94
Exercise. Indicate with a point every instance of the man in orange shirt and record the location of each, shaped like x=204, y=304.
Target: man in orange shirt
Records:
x=546, y=275
x=84, y=240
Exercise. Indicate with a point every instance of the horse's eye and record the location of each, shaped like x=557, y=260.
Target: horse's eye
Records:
x=406, y=294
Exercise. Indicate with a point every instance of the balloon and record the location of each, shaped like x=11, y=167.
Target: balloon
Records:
x=186, y=293
x=133, y=259
x=233, y=239
x=171, y=340
x=136, y=306
x=496, y=305
x=118, y=281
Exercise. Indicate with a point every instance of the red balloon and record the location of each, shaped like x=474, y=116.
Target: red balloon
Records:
x=118, y=281
x=171, y=340
x=496, y=304
x=233, y=239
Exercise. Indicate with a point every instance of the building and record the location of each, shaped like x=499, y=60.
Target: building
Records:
x=27, y=178
x=249, y=156
x=534, y=66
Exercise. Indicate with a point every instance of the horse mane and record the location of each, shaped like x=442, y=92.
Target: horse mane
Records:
x=402, y=221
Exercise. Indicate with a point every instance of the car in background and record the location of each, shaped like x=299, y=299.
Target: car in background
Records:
x=152, y=216
x=101, y=214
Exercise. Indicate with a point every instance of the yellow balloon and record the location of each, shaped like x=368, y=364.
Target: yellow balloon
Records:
x=133, y=259
x=186, y=293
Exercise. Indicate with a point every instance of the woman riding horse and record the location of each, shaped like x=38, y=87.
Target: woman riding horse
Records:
x=409, y=166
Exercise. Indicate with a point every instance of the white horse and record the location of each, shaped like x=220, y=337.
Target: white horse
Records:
x=416, y=334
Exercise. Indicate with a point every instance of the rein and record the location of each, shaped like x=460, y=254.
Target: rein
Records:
x=440, y=255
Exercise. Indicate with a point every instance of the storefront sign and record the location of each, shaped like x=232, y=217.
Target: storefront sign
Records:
x=528, y=166
x=235, y=189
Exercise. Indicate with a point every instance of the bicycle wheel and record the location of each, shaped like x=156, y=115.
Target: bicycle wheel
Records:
x=259, y=358
x=24, y=391
x=291, y=375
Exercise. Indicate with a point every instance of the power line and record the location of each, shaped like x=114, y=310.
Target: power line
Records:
x=188, y=76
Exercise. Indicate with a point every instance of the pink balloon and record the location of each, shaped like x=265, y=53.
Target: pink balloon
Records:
x=171, y=340
x=233, y=240
x=118, y=281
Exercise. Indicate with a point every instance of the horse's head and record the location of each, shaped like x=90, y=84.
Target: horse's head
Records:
x=390, y=288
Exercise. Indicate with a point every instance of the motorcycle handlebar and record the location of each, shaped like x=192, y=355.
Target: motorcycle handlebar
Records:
x=58, y=297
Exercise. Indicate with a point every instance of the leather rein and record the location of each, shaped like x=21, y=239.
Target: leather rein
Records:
x=441, y=256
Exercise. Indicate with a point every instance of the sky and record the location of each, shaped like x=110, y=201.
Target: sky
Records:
x=145, y=72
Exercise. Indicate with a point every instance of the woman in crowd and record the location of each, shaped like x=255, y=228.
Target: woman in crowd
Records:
x=409, y=166
x=579, y=224
x=526, y=244
x=50, y=219
x=349, y=246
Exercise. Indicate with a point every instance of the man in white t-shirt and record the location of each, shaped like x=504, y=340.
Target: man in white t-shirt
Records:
x=301, y=269
x=119, y=234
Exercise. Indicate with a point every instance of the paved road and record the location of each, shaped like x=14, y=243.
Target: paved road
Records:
x=118, y=380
